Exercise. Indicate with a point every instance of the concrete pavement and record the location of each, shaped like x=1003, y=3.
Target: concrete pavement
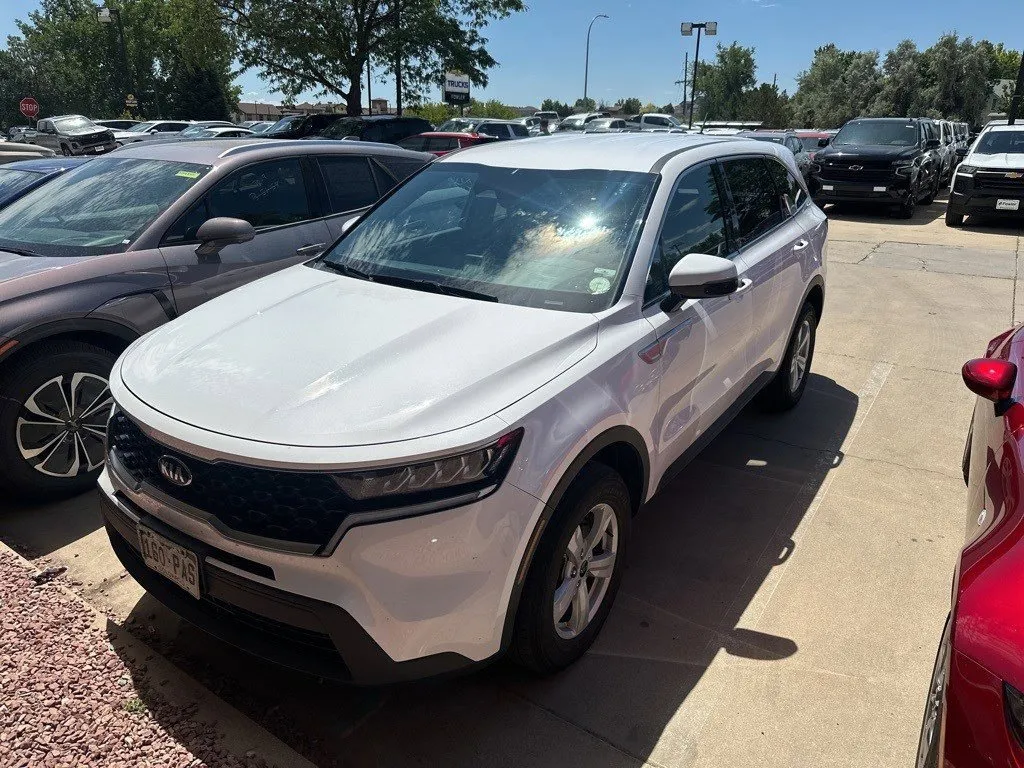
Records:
x=785, y=594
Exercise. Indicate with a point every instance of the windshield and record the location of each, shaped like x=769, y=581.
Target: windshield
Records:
x=878, y=133
x=12, y=182
x=762, y=137
x=73, y=123
x=141, y=127
x=571, y=124
x=100, y=207
x=810, y=143
x=197, y=130
x=997, y=142
x=539, y=238
x=458, y=125
x=347, y=126
x=285, y=124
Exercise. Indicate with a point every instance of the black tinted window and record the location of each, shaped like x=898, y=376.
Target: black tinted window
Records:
x=694, y=221
x=786, y=185
x=519, y=130
x=757, y=207
x=265, y=195
x=401, y=167
x=493, y=129
x=416, y=143
x=350, y=183
x=441, y=144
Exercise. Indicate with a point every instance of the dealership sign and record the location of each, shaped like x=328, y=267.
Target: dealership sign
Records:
x=456, y=88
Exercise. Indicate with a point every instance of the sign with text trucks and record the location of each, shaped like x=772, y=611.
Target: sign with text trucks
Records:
x=456, y=88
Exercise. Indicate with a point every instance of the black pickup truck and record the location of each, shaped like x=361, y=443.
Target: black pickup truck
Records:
x=887, y=160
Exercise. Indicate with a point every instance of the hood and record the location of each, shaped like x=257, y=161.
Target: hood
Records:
x=310, y=358
x=1002, y=161
x=19, y=148
x=848, y=152
x=95, y=130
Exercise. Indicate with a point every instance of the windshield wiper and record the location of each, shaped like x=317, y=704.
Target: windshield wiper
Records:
x=429, y=285
x=345, y=269
x=20, y=251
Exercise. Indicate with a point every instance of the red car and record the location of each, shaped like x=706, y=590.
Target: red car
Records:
x=441, y=143
x=810, y=140
x=975, y=710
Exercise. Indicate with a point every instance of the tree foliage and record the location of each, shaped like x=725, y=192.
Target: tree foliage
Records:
x=584, y=105
x=722, y=86
x=551, y=105
x=312, y=45
x=70, y=62
x=630, y=106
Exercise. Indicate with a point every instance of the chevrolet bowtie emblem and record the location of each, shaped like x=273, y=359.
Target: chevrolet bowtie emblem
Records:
x=856, y=167
x=1014, y=175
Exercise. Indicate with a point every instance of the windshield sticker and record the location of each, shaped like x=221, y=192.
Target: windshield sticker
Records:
x=603, y=272
x=188, y=174
x=600, y=285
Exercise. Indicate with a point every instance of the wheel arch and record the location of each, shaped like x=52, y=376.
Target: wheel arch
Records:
x=624, y=450
x=106, y=334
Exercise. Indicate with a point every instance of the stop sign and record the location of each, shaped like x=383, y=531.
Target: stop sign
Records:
x=29, y=107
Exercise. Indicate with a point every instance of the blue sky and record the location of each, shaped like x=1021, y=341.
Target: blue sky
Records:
x=639, y=51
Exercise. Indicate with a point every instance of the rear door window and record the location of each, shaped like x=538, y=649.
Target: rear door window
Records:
x=786, y=185
x=757, y=208
x=400, y=167
x=350, y=183
x=519, y=130
x=441, y=144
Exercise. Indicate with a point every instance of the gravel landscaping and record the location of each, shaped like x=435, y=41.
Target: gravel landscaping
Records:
x=68, y=699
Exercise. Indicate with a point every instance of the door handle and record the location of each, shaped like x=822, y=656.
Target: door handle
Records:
x=310, y=250
x=801, y=244
x=745, y=283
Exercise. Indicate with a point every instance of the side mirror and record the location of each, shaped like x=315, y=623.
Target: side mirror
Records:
x=989, y=378
x=215, y=234
x=701, y=276
x=932, y=144
x=823, y=142
x=151, y=131
x=350, y=223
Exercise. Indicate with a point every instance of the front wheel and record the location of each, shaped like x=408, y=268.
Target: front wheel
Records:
x=53, y=420
x=787, y=387
x=930, y=197
x=954, y=217
x=64, y=150
x=575, y=574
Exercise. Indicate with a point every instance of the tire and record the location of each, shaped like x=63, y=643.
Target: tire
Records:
x=43, y=453
x=928, y=753
x=540, y=642
x=930, y=197
x=906, y=208
x=64, y=150
x=954, y=218
x=787, y=387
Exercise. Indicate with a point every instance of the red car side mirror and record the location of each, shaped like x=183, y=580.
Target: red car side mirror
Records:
x=991, y=379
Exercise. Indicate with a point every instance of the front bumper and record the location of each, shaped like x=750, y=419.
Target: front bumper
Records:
x=395, y=601
x=985, y=202
x=831, y=191
x=94, y=149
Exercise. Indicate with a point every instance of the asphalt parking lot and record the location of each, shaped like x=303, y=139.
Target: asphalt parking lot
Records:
x=784, y=595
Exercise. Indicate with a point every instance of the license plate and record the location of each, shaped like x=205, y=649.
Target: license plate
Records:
x=168, y=559
x=1007, y=205
x=879, y=189
x=827, y=187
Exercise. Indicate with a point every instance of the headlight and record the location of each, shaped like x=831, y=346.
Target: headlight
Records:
x=815, y=167
x=461, y=478
x=903, y=167
x=967, y=170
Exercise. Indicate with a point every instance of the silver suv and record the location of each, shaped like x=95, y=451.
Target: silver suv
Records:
x=128, y=241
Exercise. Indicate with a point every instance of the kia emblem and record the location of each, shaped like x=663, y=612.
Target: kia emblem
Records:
x=856, y=167
x=174, y=471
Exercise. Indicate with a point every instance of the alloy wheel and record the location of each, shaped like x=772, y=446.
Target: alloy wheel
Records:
x=587, y=567
x=62, y=425
x=801, y=354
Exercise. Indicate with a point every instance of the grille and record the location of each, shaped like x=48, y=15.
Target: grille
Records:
x=867, y=175
x=297, y=507
x=92, y=139
x=998, y=182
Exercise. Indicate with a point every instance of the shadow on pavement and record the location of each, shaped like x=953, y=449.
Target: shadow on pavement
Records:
x=701, y=551
x=879, y=213
x=37, y=530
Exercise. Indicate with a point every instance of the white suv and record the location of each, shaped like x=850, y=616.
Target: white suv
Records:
x=990, y=180
x=427, y=446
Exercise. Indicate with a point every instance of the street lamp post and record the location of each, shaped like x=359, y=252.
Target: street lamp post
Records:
x=106, y=15
x=686, y=28
x=586, y=63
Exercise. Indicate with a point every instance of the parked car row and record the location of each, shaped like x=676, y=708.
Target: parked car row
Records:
x=485, y=291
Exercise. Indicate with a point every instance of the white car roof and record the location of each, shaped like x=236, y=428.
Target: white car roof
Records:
x=1004, y=127
x=614, y=152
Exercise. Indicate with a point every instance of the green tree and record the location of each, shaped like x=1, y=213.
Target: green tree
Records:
x=722, y=86
x=551, y=105
x=1004, y=63
x=648, y=107
x=839, y=85
x=769, y=105
x=310, y=45
x=631, y=106
x=584, y=105
x=491, y=108
x=903, y=77
x=668, y=109
x=434, y=112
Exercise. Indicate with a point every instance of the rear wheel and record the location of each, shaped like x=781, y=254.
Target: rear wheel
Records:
x=787, y=387
x=575, y=574
x=53, y=420
x=954, y=216
x=65, y=150
x=931, y=726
